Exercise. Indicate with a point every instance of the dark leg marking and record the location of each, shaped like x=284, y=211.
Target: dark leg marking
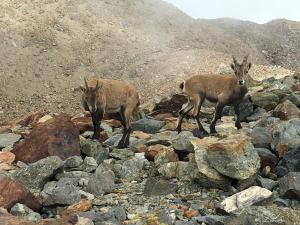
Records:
x=96, y=118
x=238, y=117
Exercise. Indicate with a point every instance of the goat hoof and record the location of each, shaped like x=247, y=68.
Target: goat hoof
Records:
x=96, y=137
x=122, y=145
x=178, y=130
x=238, y=127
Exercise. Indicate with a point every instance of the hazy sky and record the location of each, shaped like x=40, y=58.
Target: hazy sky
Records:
x=260, y=11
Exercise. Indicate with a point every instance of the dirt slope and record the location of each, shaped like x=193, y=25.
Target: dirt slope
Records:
x=48, y=46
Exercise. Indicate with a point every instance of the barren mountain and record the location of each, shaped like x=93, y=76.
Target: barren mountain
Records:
x=48, y=46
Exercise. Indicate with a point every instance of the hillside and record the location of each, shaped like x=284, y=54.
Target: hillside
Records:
x=49, y=46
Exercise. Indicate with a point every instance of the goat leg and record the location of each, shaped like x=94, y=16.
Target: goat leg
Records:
x=238, y=119
x=96, y=118
x=183, y=114
x=218, y=115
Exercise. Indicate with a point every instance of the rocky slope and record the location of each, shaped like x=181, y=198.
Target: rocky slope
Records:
x=49, y=46
x=51, y=172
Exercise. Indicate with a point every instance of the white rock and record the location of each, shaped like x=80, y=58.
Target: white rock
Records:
x=45, y=118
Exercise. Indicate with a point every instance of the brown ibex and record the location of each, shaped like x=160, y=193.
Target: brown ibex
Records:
x=220, y=89
x=105, y=96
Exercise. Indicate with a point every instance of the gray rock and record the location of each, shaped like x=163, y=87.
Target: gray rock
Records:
x=294, y=98
x=121, y=154
x=257, y=114
x=129, y=169
x=267, y=183
x=8, y=139
x=62, y=192
x=182, y=222
x=183, y=142
x=167, y=155
x=75, y=176
x=210, y=220
x=246, y=108
x=281, y=202
x=37, y=174
x=289, y=186
x=167, y=216
x=93, y=148
x=261, y=137
x=162, y=138
x=115, y=215
x=22, y=210
x=89, y=164
x=155, y=186
x=181, y=170
x=281, y=171
x=267, y=158
x=102, y=181
x=148, y=125
x=291, y=160
x=114, y=140
x=73, y=162
x=286, y=133
x=265, y=100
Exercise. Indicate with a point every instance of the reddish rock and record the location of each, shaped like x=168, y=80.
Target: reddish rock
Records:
x=7, y=157
x=58, y=136
x=267, y=158
x=82, y=206
x=31, y=119
x=140, y=135
x=191, y=213
x=153, y=151
x=83, y=124
x=286, y=111
x=5, y=129
x=171, y=105
x=12, y=192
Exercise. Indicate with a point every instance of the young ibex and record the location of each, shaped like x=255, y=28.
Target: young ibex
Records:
x=220, y=89
x=104, y=96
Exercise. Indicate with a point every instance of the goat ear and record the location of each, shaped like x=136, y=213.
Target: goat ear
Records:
x=232, y=66
x=249, y=65
x=98, y=86
x=82, y=88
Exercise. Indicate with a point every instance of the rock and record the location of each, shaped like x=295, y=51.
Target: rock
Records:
x=183, y=222
x=93, y=148
x=234, y=157
x=167, y=216
x=12, y=192
x=183, y=142
x=8, y=139
x=191, y=213
x=162, y=138
x=266, y=100
x=180, y=170
x=114, y=140
x=103, y=181
x=148, y=125
x=45, y=118
x=281, y=202
x=289, y=186
x=246, y=108
x=140, y=135
x=167, y=155
x=55, y=137
x=7, y=157
x=62, y=192
x=73, y=162
x=267, y=158
x=286, y=111
x=37, y=174
x=31, y=119
x=89, y=164
x=281, y=171
x=264, y=215
x=129, y=169
x=170, y=105
x=82, y=206
x=291, y=160
x=156, y=187
x=22, y=210
x=115, y=215
x=206, y=175
x=257, y=114
x=294, y=98
x=261, y=137
x=248, y=197
x=121, y=154
x=267, y=183
x=210, y=220
x=75, y=176
x=286, y=134
x=83, y=123
x=152, y=151
x=84, y=221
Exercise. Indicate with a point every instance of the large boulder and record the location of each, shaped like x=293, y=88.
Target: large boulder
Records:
x=62, y=192
x=37, y=174
x=266, y=100
x=289, y=186
x=8, y=139
x=261, y=137
x=234, y=157
x=286, y=111
x=93, y=148
x=22, y=210
x=55, y=137
x=156, y=187
x=148, y=125
x=248, y=197
x=182, y=142
x=12, y=192
x=286, y=134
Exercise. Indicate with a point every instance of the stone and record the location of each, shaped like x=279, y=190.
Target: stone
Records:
x=167, y=216
x=210, y=220
x=206, y=175
x=153, y=150
x=37, y=174
x=234, y=157
x=286, y=133
x=267, y=158
x=267, y=183
x=121, y=154
x=167, y=155
x=246, y=108
x=248, y=197
x=7, y=157
x=291, y=160
x=184, y=222
x=157, y=187
x=83, y=123
x=286, y=111
x=289, y=186
x=8, y=139
x=22, y=210
x=75, y=176
x=140, y=135
x=261, y=137
x=12, y=192
x=129, y=169
x=31, y=119
x=266, y=100
x=81, y=206
x=89, y=164
x=55, y=137
x=148, y=125
x=44, y=119
x=84, y=221
x=62, y=192
x=257, y=114
x=114, y=215
x=183, y=142
x=114, y=140
x=294, y=98
x=93, y=148
x=102, y=181
x=73, y=162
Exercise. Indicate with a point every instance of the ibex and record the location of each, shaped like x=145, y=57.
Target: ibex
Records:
x=105, y=96
x=220, y=89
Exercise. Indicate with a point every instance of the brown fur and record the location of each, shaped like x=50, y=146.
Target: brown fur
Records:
x=104, y=96
x=220, y=89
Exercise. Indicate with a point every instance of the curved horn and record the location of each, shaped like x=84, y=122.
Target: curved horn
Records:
x=86, y=85
x=97, y=85
x=245, y=58
x=234, y=60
